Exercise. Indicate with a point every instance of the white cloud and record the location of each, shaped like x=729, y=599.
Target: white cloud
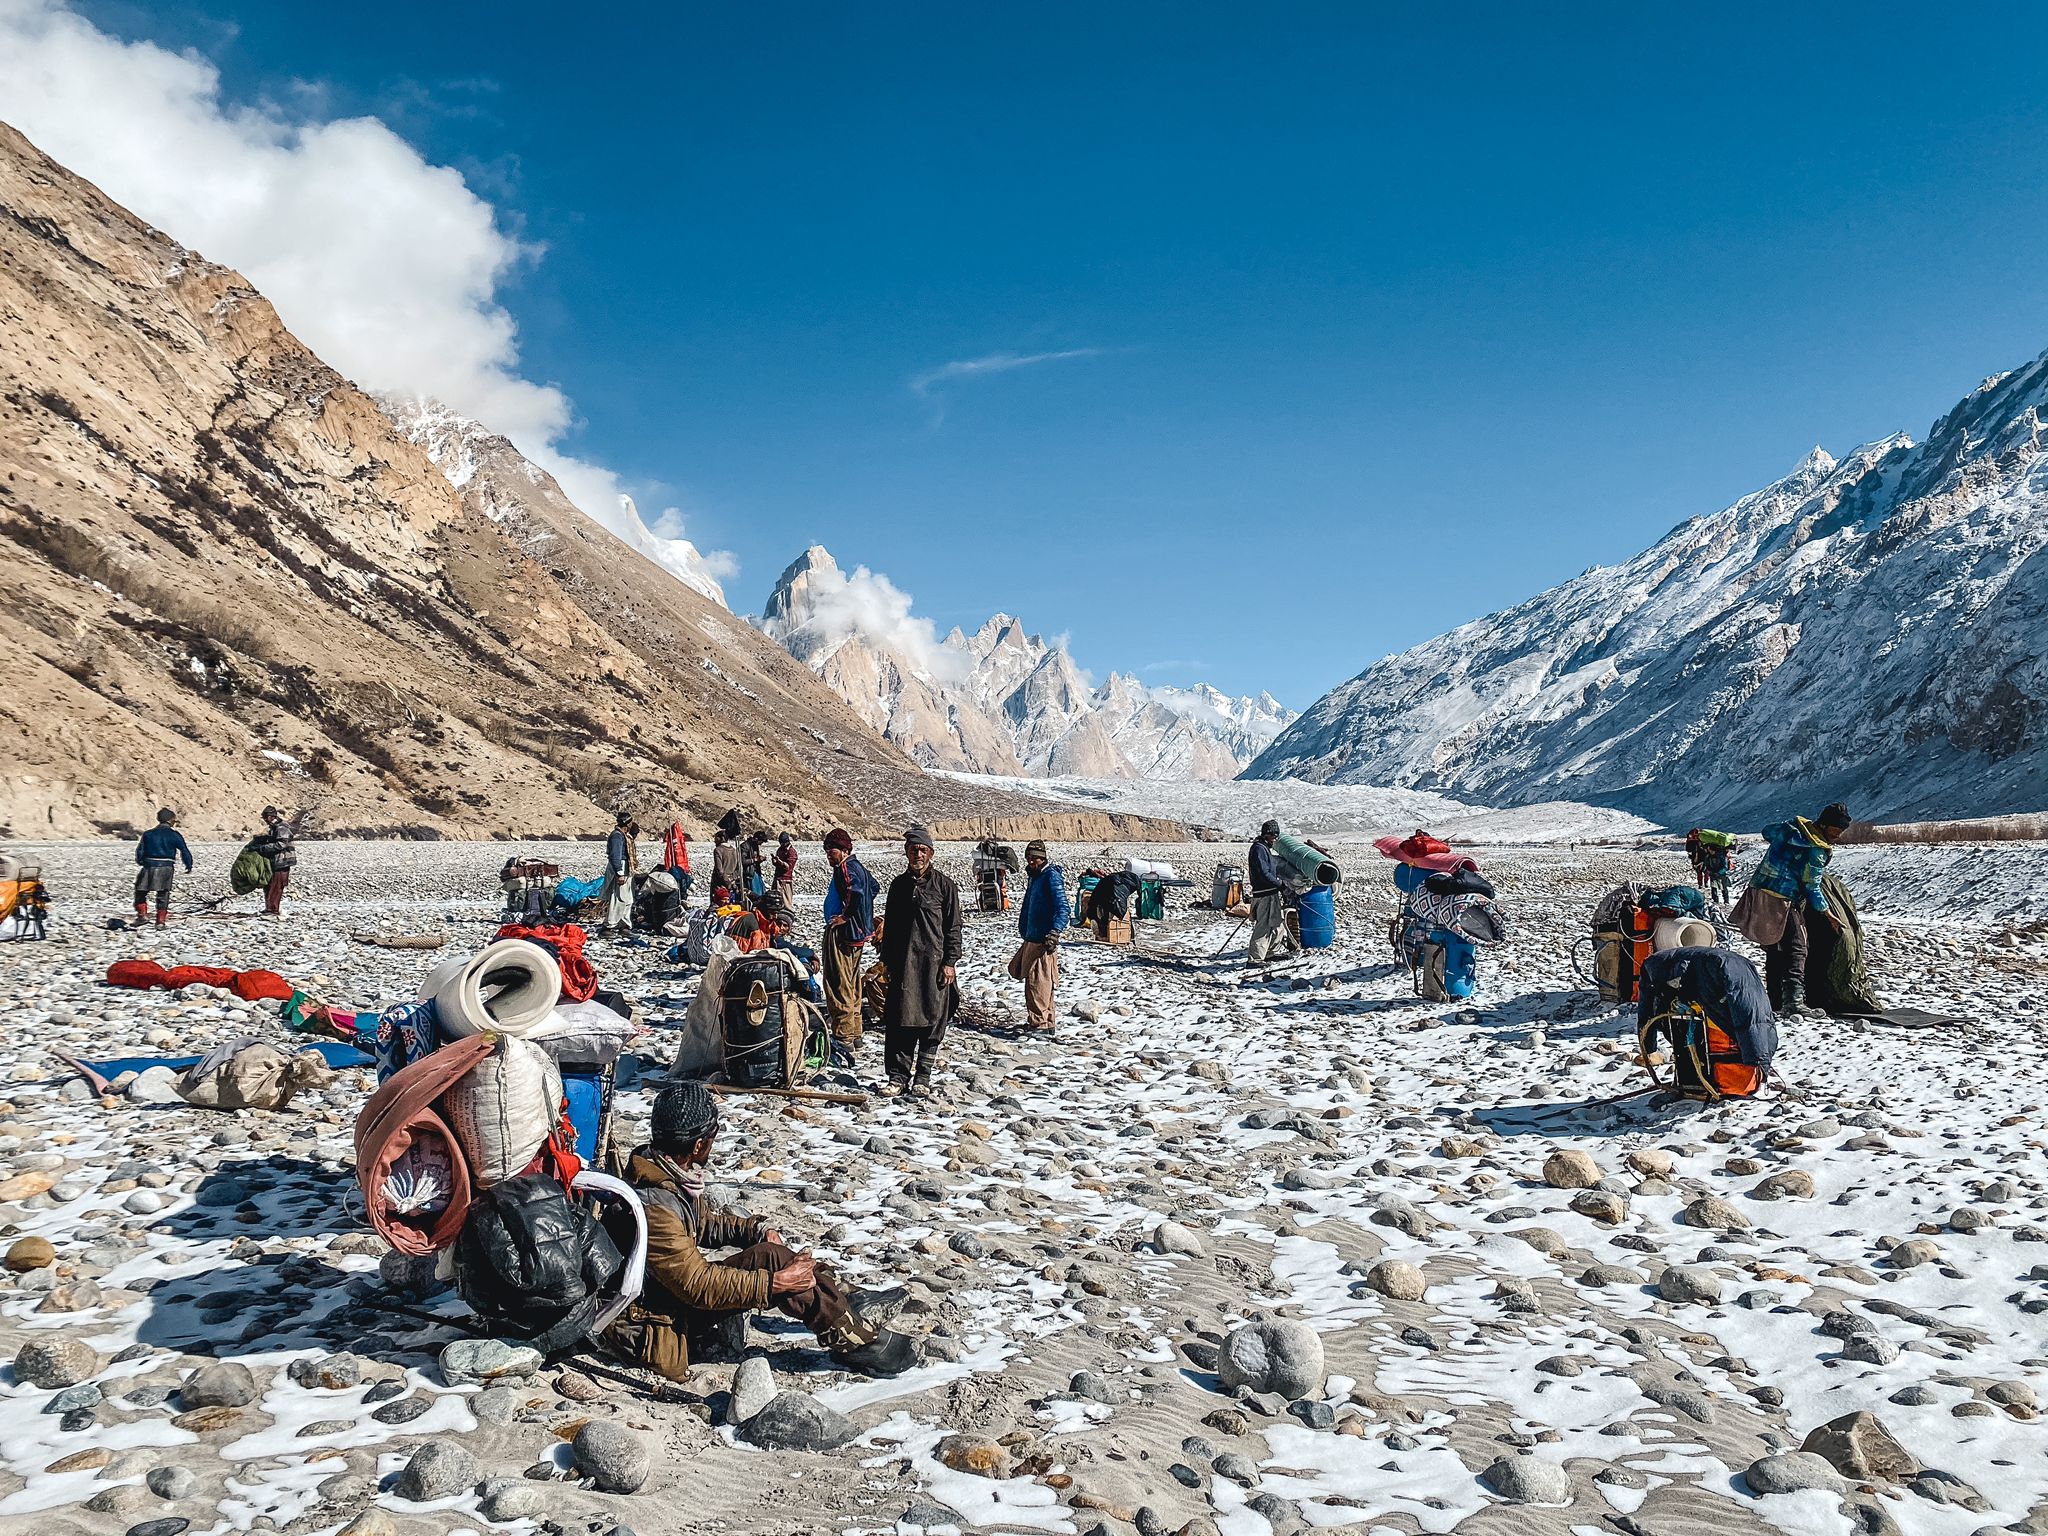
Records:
x=923, y=384
x=386, y=266
x=836, y=604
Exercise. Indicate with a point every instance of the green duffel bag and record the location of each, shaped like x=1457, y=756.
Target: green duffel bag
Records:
x=251, y=872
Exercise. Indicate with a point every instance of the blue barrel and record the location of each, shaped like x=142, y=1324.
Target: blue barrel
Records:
x=1319, y=918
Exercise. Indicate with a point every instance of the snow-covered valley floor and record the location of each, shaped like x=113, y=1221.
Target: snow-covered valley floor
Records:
x=1625, y=1365
x=1237, y=806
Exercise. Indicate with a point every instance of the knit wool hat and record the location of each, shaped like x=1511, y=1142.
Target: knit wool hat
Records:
x=1037, y=846
x=1270, y=829
x=1836, y=818
x=915, y=836
x=684, y=1114
x=839, y=838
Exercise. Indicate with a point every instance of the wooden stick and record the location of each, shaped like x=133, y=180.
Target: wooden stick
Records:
x=818, y=1095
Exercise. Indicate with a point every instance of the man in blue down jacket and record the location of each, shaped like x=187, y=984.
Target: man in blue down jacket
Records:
x=1040, y=922
x=156, y=857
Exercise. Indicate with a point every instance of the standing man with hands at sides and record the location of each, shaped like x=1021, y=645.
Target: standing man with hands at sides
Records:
x=1041, y=920
x=785, y=870
x=921, y=928
x=618, y=876
x=849, y=924
x=688, y=1294
x=156, y=857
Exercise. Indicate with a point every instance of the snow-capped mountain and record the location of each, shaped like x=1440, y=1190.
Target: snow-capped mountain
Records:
x=1001, y=700
x=1873, y=630
x=459, y=447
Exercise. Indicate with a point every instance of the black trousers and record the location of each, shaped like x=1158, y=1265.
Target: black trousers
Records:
x=911, y=1054
x=1786, y=960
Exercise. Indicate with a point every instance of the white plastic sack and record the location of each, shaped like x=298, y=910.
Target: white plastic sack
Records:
x=1151, y=869
x=584, y=1035
x=661, y=880
x=632, y=1279
x=509, y=987
x=504, y=1108
x=702, y=1046
x=1681, y=933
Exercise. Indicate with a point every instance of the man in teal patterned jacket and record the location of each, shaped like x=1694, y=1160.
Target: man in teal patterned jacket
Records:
x=1796, y=854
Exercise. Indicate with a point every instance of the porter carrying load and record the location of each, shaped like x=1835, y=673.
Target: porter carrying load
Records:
x=1709, y=1004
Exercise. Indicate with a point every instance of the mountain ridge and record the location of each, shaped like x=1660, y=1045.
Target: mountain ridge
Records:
x=1000, y=700
x=1863, y=629
x=228, y=580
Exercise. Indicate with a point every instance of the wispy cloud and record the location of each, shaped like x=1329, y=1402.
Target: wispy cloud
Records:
x=1190, y=665
x=928, y=386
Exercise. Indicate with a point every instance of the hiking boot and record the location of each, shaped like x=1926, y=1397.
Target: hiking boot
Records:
x=895, y=1088
x=872, y=1351
x=1795, y=1001
x=922, y=1088
x=163, y=919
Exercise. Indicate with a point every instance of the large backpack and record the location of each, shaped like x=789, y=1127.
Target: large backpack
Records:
x=754, y=1014
x=1620, y=942
x=1446, y=966
x=532, y=1262
x=1709, y=1004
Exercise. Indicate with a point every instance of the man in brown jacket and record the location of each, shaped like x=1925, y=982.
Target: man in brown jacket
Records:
x=687, y=1294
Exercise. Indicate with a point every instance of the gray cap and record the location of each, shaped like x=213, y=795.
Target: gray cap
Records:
x=915, y=836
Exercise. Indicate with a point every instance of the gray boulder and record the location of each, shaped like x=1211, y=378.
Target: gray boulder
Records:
x=1525, y=1480
x=612, y=1456
x=1281, y=1356
x=440, y=1469
x=795, y=1421
x=50, y=1363
x=1793, y=1472
x=224, y=1384
x=753, y=1388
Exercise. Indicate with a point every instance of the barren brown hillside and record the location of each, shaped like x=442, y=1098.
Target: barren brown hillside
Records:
x=226, y=578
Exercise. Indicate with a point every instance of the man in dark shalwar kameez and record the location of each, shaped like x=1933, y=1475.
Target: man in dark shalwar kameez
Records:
x=920, y=949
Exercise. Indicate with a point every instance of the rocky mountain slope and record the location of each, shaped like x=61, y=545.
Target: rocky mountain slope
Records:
x=1869, y=630
x=226, y=579
x=1002, y=700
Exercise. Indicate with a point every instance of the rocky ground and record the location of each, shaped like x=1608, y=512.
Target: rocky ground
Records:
x=1241, y=1253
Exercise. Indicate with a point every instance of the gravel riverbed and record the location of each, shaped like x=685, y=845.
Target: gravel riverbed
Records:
x=1234, y=1253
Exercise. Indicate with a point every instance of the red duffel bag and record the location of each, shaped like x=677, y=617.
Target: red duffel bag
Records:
x=401, y=1142
x=137, y=973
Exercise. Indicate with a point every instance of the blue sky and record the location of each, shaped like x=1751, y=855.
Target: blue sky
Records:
x=1351, y=323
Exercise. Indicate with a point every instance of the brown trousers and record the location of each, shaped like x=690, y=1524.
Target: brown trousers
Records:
x=273, y=895
x=656, y=1330
x=841, y=978
x=1041, y=967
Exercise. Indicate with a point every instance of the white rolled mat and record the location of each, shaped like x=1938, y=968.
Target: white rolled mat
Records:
x=509, y=987
x=1150, y=869
x=1681, y=933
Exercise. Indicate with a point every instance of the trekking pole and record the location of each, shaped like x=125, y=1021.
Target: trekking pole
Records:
x=1227, y=939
